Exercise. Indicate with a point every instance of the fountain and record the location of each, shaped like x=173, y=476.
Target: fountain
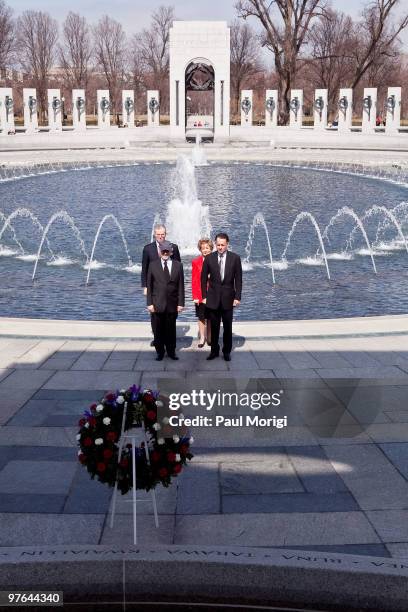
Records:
x=258, y=220
x=347, y=211
x=198, y=156
x=64, y=216
x=88, y=266
x=187, y=219
x=300, y=217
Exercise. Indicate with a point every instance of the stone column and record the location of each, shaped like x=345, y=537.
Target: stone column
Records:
x=30, y=110
x=271, y=108
x=246, y=108
x=369, y=110
x=6, y=110
x=54, y=110
x=320, y=109
x=128, y=108
x=103, y=108
x=79, y=109
x=153, y=108
x=296, y=108
x=345, y=106
x=393, y=110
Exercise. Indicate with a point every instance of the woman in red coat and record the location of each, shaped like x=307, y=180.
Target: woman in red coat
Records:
x=205, y=246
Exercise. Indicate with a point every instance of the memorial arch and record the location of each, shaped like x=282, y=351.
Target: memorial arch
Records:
x=199, y=79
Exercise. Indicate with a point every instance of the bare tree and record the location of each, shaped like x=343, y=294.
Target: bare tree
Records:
x=245, y=57
x=286, y=25
x=152, y=46
x=75, y=51
x=376, y=37
x=7, y=35
x=110, y=54
x=330, y=64
x=37, y=38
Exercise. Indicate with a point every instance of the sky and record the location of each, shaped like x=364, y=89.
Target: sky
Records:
x=135, y=14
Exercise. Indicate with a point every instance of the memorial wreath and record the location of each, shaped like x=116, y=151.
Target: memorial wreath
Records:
x=99, y=441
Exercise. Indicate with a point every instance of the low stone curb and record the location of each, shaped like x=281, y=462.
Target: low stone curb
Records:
x=215, y=574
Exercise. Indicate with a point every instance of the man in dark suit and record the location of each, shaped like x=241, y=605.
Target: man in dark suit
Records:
x=222, y=270
x=151, y=252
x=165, y=299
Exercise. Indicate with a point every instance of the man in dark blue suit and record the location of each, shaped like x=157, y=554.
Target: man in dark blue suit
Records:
x=151, y=252
x=222, y=271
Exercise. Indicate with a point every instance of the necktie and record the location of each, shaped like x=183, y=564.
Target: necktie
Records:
x=166, y=271
x=220, y=263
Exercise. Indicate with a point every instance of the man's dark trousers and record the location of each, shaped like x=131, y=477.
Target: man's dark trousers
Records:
x=164, y=331
x=215, y=319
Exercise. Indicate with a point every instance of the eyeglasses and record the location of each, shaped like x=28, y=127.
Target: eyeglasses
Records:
x=165, y=252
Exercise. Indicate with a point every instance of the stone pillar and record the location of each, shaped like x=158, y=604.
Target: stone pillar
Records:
x=30, y=110
x=103, y=108
x=393, y=110
x=320, y=109
x=246, y=108
x=128, y=108
x=54, y=110
x=345, y=106
x=78, y=109
x=296, y=108
x=271, y=108
x=369, y=110
x=153, y=108
x=6, y=110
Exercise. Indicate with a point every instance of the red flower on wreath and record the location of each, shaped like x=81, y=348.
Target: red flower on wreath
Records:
x=111, y=436
x=163, y=472
x=101, y=467
x=92, y=407
x=92, y=421
x=155, y=456
x=183, y=449
x=124, y=463
x=87, y=442
x=110, y=397
x=107, y=453
x=151, y=415
x=171, y=457
x=177, y=468
x=82, y=458
x=81, y=422
x=148, y=398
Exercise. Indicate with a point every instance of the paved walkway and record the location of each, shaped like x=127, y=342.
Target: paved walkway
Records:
x=335, y=479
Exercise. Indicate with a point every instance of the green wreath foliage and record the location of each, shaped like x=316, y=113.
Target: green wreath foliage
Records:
x=99, y=441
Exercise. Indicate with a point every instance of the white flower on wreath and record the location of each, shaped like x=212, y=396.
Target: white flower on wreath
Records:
x=157, y=426
x=191, y=440
x=159, y=404
x=86, y=424
x=99, y=408
x=160, y=440
x=99, y=441
x=120, y=399
x=178, y=458
x=165, y=420
x=176, y=439
x=79, y=453
x=123, y=391
x=106, y=421
x=78, y=436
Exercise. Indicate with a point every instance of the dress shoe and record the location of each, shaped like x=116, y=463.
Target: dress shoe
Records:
x=173, y=356
x=212, y=356
x=159, y=357
x=227, y=357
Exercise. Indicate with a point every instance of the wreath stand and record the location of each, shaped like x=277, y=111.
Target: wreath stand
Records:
x=134, y=439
